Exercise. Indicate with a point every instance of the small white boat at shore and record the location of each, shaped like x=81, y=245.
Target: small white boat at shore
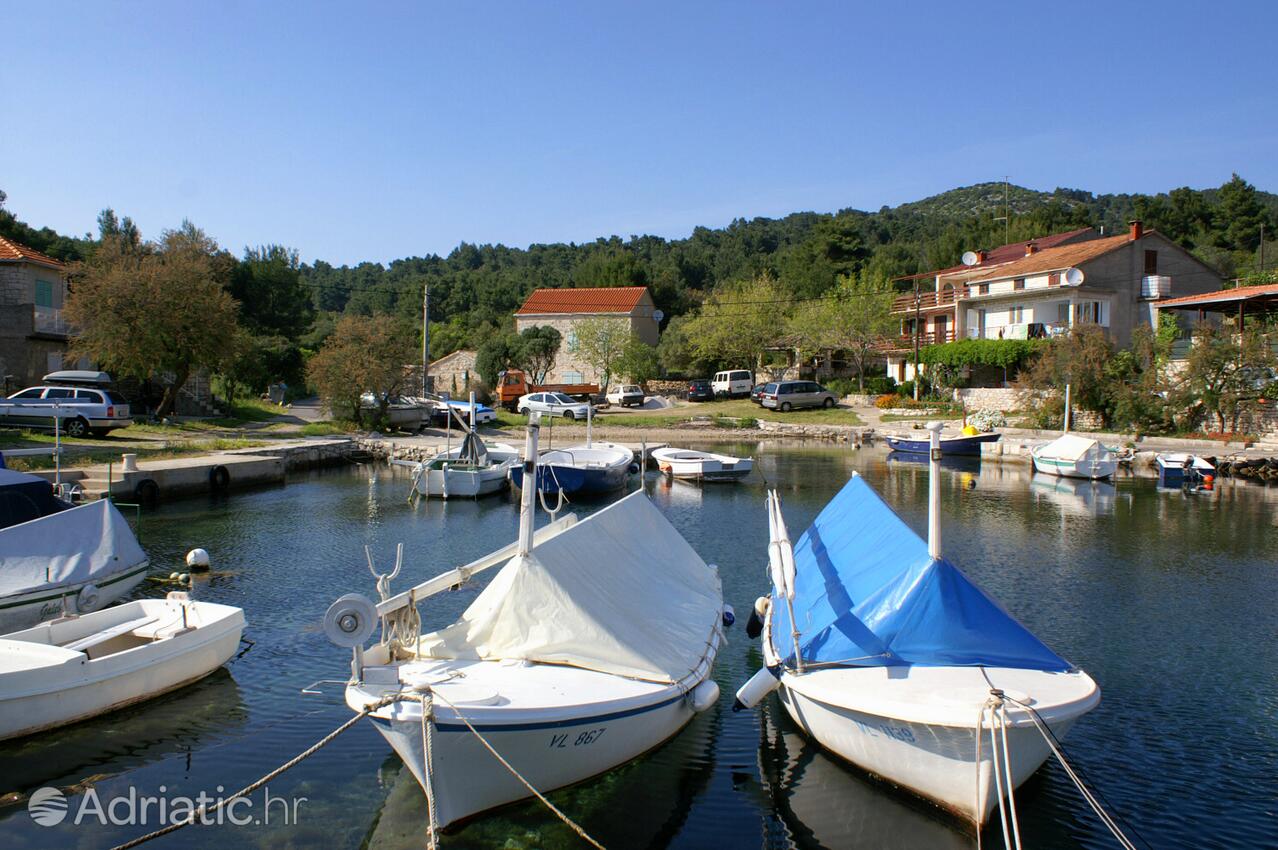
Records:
x=58, y=559
x=1073, y=456
x=469, y=471
x=1177, y=470
x=692, y=465
x=593, y=644
x=887, y=655
x=74, y=668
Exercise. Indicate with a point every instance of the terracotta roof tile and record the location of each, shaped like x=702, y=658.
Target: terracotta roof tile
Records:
x=615, y=299
x=14, y=252
x=1008, y=253
x=1045, y=260
x=1241, y=293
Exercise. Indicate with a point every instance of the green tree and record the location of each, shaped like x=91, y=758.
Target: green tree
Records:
x=855, y=317
x=1080, y=360
x=638, y=361
x=274, y=301
x=363, y=354
x=498, y=353
x=1241, y=216
x=1224, y=375
x=738, y=322
x=600, y=343
x=536, y=352
x=155, y=314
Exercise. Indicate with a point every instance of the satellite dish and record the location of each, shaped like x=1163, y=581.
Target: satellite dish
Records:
x=970, y=258
x=657, y=316
x=1073, y=276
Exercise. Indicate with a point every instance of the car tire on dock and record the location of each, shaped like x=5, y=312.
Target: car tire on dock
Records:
x=219, y=478
x=146, y=492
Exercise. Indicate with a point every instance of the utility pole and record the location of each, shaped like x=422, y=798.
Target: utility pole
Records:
x=916, y=339
x=425, y=338
x=1262, y=248
x=1006, y=217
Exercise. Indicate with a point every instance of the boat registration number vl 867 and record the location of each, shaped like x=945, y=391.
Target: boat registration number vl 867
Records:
x=899, y=733
x=560, y=742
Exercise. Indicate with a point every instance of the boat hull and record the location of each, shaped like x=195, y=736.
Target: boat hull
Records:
x=550, y=754
x=968, y=446
x=936, y=762
x=1091, y=470
x=694, y=466
x=23, y=610
x=573, y=480
x=34, y=700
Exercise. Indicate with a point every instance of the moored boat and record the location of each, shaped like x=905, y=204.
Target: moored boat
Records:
x=59, y=559
x=890, y=657
x=1075, y=457
x=556, y=663
x=954, y=444
x=589, y=469
x=78, y=667
x=692, y=465
x=1177, y=470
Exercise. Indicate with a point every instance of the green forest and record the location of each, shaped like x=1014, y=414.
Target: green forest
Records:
x=475, y=288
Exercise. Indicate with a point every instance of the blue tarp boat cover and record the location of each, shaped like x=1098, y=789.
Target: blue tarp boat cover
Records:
x=868, y=594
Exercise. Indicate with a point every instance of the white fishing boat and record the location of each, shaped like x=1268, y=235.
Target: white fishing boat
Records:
x=692, y=465
x=1177, y=470
x=74, y=668
x=58, y=559
x=472, y=469
x=1073, y=456
x=901, y=665
x=591, y=645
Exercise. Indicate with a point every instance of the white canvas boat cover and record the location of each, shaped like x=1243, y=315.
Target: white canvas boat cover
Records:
x=1069, y=447
x=620, y=592
x=88, y=543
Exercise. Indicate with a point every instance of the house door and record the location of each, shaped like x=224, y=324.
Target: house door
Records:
x=980, y=324
x=940, y=325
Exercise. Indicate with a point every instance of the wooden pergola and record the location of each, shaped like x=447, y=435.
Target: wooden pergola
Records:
x=1238, y=301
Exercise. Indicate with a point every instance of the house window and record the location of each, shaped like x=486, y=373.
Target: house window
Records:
x=572, y=340
x=982, y=289
x=573, y=378
x=1016, y=315
x=1019, y=283
x=43, y=293
x=1091, y=312
x=1062, y=312
x=1151, y=262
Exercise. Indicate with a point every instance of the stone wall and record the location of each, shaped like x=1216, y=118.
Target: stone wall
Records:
x=999, y=399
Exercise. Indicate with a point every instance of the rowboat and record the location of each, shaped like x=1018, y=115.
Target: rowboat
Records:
x=556, y=665
x=886, y=654
x=1075, y=457
x=956, y=444
x=78, y=667
x=58, y=559
x=701, y=466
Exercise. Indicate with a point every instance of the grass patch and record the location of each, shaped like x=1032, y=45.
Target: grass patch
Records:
x=326, y=429
x=255, y=410
x=98, y=455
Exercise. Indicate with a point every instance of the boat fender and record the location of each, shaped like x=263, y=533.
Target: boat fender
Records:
x=173, y=576
x=147, y=492
x=197, y=559
x=704, y=695
x=633, y=468
x=729, y=616
x=767, y=680
x=87, y=599
x=754, y=626
x=1209, y=482
x=219, y=477
x=184, y=578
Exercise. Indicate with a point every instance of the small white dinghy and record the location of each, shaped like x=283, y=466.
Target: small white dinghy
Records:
x=1075, y=457
x=903, y=666
x=74, y=668
x=693, y=465
x=592, y=645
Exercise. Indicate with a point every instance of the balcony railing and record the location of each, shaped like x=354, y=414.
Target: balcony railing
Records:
x=928, y=300
x=1024, y=330
x=50, y=321
x=1155, y=286
x=906, y=341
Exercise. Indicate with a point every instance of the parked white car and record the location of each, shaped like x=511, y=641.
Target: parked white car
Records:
x=734, y=383
x=626, y=395
x=79, y=410
x=553, y=404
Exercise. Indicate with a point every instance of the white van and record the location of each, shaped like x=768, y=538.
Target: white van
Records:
x=735, y=383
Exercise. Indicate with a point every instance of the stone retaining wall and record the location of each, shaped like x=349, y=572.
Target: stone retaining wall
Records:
x=309, y=455
x=841, y=433
x=997, y=399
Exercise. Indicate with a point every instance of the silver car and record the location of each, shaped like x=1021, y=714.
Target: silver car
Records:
x=787, y=395
x=553, y=404
x=78, y=410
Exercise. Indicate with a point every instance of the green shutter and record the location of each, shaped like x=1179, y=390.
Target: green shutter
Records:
x=44, y=293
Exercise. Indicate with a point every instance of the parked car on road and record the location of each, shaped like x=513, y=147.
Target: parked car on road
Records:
x=553, y=404
x=787, y=395
x=734, y=383
x=626, y=395
x=700, y=390
x=79, y=408
x=483, y=413
x=756, y=393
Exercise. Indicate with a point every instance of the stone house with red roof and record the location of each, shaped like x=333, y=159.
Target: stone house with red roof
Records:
x=1043, y=287
x=564, y=309
x=33, y=332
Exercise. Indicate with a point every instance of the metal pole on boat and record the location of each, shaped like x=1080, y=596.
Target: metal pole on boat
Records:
x=590, y=407
x=57, y=447
x=472, y=411
x=934, y=492
x=1067, y=408
x=526, y=503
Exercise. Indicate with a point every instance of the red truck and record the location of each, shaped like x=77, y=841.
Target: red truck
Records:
x=513, y=384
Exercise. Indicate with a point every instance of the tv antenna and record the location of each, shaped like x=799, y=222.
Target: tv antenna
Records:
x=1006, y=217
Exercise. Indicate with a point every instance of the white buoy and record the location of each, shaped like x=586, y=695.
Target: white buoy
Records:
x=184, y=578
x=173, y=576
x=197, y=559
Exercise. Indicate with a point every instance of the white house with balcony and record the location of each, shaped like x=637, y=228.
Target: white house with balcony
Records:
x=33, y=332
x=1045, y=287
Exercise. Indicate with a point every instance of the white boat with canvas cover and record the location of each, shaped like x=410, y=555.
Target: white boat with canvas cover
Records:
x=57, y=559
x=886, y=654
x=74, y=668
x=593, y=644
x=471, y=470
x=1075, y=457
x=701, y=466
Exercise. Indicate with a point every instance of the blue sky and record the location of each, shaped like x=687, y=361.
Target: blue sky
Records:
x=374, y=131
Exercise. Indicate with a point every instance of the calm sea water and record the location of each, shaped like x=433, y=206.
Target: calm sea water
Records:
x=1167, y=600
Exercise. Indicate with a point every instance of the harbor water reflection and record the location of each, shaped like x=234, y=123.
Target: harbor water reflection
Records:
x=1166, y=598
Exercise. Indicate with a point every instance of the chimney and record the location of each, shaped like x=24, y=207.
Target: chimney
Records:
x=1137, y=229
x=1031, y=248
x=980, y=256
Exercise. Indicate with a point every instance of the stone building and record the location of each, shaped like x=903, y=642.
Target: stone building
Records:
x=33, y=332
x=565, y=309
x=455, y=373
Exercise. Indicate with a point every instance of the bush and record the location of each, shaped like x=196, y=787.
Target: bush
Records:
x=841, y=386
x=880, y=384
x=987, y=420
x=887, y=401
